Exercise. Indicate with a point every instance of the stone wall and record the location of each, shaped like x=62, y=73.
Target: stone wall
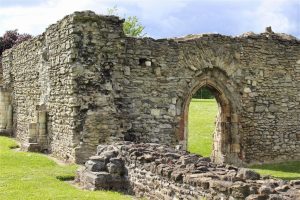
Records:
x=97, y=47
x=159, y=172
x=38, y=74
x=99, y=86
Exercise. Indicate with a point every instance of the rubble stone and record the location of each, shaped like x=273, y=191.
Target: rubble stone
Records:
x=160, y=178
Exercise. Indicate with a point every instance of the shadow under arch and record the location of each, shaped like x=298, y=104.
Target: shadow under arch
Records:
x=226, y=141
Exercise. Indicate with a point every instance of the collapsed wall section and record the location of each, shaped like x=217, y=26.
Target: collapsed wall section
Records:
x=155, y=171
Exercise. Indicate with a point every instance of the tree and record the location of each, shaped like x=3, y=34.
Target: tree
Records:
x=203, y=93
x=11, y=38
x=131, y=26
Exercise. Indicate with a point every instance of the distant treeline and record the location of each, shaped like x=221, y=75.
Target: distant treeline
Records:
x=203, y=93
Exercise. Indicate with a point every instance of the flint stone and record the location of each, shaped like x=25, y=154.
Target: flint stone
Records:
x=240, y=190
x=245, y=173
x=265, y=190
x=96, y=165
x=116, y=166
x=257, y=197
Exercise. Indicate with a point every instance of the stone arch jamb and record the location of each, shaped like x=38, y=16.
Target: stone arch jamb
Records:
x=226, y=141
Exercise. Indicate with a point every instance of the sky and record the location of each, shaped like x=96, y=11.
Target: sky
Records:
x=162, y=18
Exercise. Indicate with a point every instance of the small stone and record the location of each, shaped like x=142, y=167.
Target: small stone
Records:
x=148, y=63
x=95, y=165
x=282, y=188
x=116, y=166
x=265, y=190
x=257, y=197
x=269, y=29
x=247, y=90
x=245, y=173
x=155, y=112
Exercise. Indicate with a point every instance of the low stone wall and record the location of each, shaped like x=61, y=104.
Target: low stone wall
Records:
x=159, y=172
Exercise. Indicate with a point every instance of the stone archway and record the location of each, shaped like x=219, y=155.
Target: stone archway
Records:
x=226, y=140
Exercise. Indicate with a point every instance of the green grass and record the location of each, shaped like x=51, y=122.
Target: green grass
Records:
x=285, y=170
x=202, y=114
x=34, y=176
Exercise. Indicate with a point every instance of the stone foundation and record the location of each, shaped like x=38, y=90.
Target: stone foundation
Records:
x=159, y=172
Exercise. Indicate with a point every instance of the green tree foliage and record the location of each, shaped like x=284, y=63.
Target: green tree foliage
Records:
x=131, y=26
x=203, y=93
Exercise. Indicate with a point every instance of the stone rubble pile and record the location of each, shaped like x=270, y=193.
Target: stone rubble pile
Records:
x=157, y=171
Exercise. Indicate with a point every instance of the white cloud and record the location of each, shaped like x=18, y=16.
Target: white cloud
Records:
x=161, y=17
x=34, y=19
x=272, y=13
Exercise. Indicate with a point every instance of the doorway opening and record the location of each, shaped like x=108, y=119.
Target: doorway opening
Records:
x=225, y=145
x=202, y=115
x=222, y=118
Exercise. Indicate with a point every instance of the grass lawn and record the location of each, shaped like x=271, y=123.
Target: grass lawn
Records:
x=202, y=114
x=34, y=176
x=285, y=170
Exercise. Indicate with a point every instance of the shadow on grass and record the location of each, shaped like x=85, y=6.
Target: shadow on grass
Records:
x=293, y=167
x=16, y=146
x=66, y=177
x=287, y=170
x=289, y=178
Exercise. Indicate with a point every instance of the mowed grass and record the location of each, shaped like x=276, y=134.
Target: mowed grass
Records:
x=284, y=170
x=34, y=176
x=201, y=124
x=202, y=113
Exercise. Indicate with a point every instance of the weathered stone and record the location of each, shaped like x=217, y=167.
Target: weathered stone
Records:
x=245, y=173
x=96, y=165
x=257, y=197
x=99, y=86
x=116, y=166
x=265, y=190
x=240, y=190
x=282, y=188
x=165, y=177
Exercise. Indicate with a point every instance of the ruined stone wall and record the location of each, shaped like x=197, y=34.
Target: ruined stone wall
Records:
x=97, y=46
x=155, y=171
x=99, y=86
x=37, y=72
x=258, y=74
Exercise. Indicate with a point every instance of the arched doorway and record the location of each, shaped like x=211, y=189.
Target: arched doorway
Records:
x=226, y=139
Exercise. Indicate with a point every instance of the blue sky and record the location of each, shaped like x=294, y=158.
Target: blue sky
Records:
x=162, y=18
